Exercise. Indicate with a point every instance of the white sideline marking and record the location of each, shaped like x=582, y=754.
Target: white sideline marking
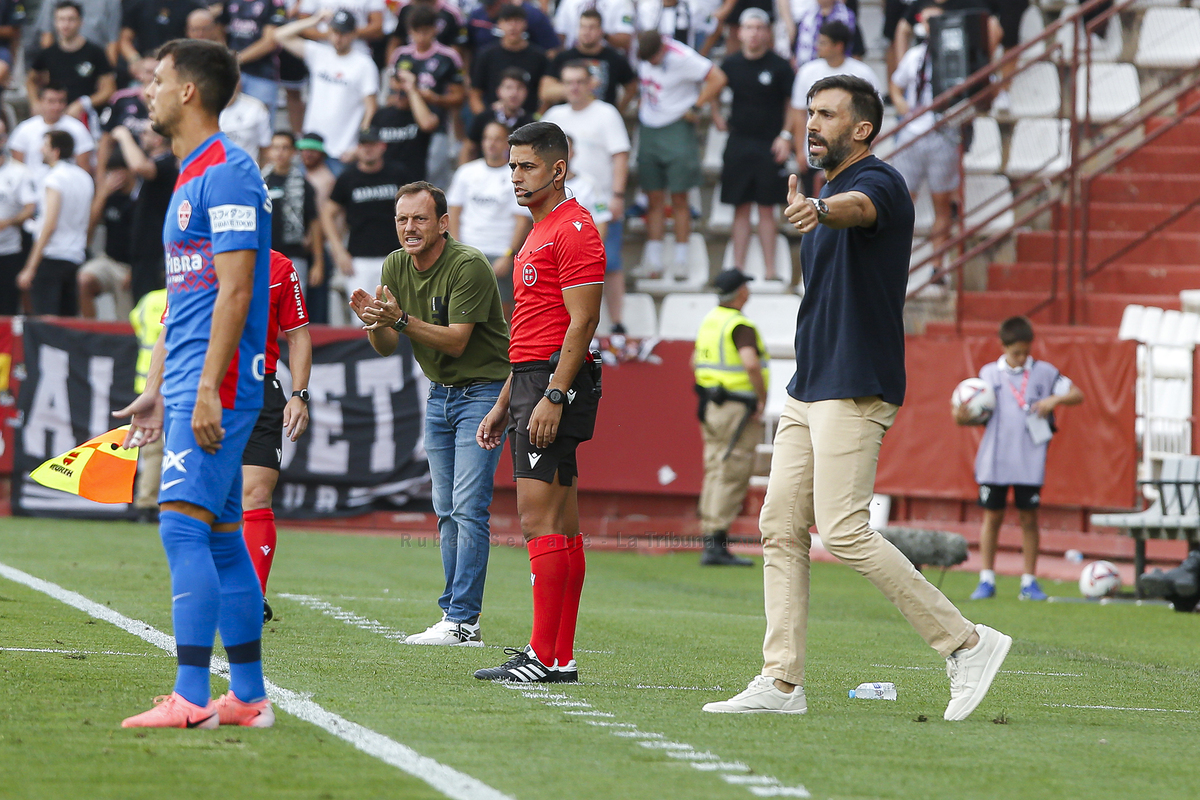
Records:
x=446, y=780
x=1124, y=708
x=1002, y=672
x=590, y=713
x=342, y=615
x=81, y=652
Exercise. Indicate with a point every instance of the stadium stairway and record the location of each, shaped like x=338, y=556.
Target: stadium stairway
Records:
x=1148, y=187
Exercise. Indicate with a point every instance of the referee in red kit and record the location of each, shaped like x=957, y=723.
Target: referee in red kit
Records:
x=549, y=402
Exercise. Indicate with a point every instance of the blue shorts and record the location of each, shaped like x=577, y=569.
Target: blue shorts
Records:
x=612, y=244
x=212, y=481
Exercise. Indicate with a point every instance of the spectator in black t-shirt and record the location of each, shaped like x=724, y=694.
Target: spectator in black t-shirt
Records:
x=451, y=25
x=79, y=66
x=12, y=17
x=295, y=222
x=508, y=110
x=153, y=162
x=406, y=124
x=753, y=171
x=363, y=201
x=109, y=273
x=484, y=30
x=609, y=66
x=249, y=28
x=148, y=24
x=513, y=50
x=126, y=107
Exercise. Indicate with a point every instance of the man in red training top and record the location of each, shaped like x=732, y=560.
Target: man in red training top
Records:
x=549, y=402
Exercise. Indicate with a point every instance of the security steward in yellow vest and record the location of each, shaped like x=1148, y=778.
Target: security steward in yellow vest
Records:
x=732, y=373
x=146, y=319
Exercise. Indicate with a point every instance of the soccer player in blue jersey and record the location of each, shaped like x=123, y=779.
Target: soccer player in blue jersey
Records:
x=205, y=388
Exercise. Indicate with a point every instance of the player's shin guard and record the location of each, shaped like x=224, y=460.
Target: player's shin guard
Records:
x=549, y=563
x=195, y=601
x=564, y=647
x=241, y=616
x=258, y=529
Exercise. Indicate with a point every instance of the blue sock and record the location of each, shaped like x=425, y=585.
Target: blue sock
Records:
x=241, y=616
x=195, y=601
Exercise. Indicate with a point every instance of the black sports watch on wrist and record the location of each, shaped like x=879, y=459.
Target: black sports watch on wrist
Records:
x=302, y=394
x=556, y=396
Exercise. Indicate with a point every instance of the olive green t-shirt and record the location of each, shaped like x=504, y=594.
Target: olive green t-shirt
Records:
x=460, y=287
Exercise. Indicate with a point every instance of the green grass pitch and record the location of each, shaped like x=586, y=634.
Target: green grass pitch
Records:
x=666, y=637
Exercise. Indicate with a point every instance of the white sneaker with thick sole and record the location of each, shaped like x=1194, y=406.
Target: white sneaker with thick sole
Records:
x=447, y=633
x=971, y=671
x=761, y=697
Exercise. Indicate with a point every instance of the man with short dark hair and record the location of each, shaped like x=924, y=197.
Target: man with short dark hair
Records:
x=79, y=66
x=613, y=18
x=295, y=221
x=442, y=295
x=484, y=32
x=147, y=24
x=513, y=50
x=406, y=123
x=609, y=66
x=25, y=144
x=101, y=24
x=206, y=369
x=848, y=386
x=549, y=404
x=508, y=110
x=60, y=245
x=250, y=30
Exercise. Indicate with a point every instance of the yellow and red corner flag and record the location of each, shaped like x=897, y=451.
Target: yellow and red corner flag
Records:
x=99, y=469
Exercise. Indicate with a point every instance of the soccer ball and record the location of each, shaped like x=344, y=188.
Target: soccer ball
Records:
x=978, y=397
x=1099, y=579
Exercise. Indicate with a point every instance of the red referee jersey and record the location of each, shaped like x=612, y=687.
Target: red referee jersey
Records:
x=562, y=251
x=288, y=311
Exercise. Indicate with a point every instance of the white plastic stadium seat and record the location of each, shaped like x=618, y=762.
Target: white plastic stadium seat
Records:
x=1039, y=146
x=984, y=195
x=680, y=278
x=1115, y=91
x=720, y=215
x=1031, y=26
x=1036, y=92
x=682, y=314
x=641, y=320
x=782, y=371
x=1169, y=39
x=923, y=213
x=775, y=315
x=1104, y=48
x=1152, y=3
x=1131, y=323
x=755, y=266
x=985, y=153
x=1151, y=322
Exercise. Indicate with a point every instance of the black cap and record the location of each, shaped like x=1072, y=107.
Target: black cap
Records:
x=730, y=280
x=343, y=22
x=369, y=136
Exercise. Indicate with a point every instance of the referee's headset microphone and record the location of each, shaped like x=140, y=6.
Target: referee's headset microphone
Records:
x=557, y=175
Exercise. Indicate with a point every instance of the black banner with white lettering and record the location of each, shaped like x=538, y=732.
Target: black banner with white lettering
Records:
x=363, y=448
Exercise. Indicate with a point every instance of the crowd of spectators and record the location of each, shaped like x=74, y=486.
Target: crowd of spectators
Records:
x=342, y=101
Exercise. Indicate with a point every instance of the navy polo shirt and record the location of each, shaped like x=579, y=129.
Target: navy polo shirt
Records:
x=850, y=330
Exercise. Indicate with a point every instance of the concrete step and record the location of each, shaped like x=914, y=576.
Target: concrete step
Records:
x=1102, y=310
x=1168, y=247
x=1122, y=278
x=1166, y=159
x=1169, y=187
x=1135, y=217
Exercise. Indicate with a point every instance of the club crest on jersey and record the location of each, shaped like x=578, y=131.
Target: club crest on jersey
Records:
x=185, y=215
x=529, y=275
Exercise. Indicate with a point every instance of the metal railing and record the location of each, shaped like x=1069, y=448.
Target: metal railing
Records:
x=1094, y=150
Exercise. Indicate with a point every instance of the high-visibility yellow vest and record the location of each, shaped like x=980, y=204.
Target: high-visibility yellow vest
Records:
x=716, y=359
x=146, y=319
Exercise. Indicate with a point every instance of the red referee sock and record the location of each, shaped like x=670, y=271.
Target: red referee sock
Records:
x=549, y=564
x=564, y=645
x=258, y=529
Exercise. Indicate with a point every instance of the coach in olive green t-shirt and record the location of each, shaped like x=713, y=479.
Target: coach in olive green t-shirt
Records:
x=443, y=296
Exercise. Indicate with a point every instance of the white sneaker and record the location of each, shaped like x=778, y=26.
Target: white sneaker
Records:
x=971, y=671
x=762, y=697
x=449, y=633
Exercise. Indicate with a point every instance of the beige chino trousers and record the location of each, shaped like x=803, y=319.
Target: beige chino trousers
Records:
x=725, y=479
x=823, y=473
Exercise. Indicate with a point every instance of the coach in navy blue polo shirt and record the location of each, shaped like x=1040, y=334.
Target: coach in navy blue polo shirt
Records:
x=848, y=386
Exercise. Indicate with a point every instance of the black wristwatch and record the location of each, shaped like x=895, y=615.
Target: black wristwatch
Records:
x=302, y=394
x=556, y=396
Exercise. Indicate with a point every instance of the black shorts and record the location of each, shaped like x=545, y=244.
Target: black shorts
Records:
x=292, y=71
x=994, y=497
x=750, y=174
x=265, y=448
x=529, y=382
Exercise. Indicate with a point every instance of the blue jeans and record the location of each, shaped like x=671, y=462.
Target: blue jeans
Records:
x=462, y=473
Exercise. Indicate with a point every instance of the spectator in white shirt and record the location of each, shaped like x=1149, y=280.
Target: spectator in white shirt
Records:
x=247, y=121
x=676, y=83
x=343, y=82
x=27, y=138
x=61, y=244
x=832, y=41
x=601, y=147
x=616, y=16
x=18, y=202
x=367, y=16
x=484, y=212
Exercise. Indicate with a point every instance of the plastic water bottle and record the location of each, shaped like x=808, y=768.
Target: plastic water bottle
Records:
x=874, y=691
